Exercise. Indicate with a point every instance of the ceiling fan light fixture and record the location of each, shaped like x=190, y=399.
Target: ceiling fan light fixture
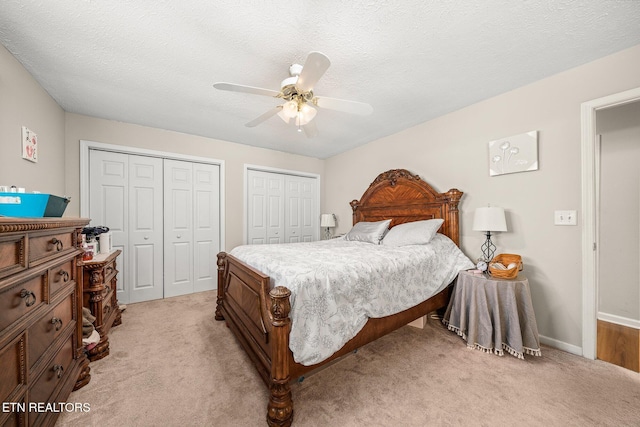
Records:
x=283, y=116
x=305, y=115
x=290, y=109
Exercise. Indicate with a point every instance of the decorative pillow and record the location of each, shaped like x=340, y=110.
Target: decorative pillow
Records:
x=412, y=233
x=371, y=232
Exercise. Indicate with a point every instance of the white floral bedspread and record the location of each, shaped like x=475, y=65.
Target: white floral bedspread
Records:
x=336, y=285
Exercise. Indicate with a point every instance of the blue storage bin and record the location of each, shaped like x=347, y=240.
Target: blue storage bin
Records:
x=29, y=205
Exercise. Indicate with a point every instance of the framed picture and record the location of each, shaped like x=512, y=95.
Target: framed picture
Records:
x=29, y=145
x=518, y=153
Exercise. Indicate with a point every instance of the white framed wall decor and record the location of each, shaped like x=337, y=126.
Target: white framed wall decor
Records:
x=518, y=153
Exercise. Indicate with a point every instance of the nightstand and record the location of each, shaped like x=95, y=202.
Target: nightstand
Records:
x=99, y=296
x=494, y=315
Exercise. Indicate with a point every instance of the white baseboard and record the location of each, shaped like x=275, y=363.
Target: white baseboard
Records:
x=561, y=345
x=618, y=320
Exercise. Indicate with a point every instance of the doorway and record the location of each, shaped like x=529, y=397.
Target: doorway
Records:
x=590, y=208
x=618, y=235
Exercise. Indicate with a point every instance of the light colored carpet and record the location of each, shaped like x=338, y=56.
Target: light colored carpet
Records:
x=172, y=364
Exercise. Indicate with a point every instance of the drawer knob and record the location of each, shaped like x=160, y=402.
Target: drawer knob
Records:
x=29, y=297
x=59, y=370
x=57, y=323
x=65, y=275
x=57, y=244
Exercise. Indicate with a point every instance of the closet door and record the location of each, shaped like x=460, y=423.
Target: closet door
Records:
x=109, y=206
x=265, y=207
x=206, y=220
x=126, y=196
x=178, y=227
x=301, y=213
x=145, y=229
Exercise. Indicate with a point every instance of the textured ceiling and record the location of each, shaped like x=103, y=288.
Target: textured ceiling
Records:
x=153, y=62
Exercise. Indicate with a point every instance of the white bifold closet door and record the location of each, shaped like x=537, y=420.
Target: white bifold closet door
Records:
x=165, y=217
x=126, y=196
x=191, y=226
x=281, y=208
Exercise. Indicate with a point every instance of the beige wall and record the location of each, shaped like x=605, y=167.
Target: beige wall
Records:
x=235, y=156
x=24, y=103
x=451, y=151
x=619, y=236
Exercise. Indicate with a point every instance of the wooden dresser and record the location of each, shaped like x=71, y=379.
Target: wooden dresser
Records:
x=41, y=355
x=99, y=290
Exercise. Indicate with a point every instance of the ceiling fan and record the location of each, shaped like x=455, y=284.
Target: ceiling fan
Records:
x=298, y=96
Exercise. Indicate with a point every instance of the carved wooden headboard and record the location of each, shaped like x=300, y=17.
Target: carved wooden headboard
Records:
x=403, y=197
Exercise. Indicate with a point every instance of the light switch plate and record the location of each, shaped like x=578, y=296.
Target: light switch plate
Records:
x=565, y=218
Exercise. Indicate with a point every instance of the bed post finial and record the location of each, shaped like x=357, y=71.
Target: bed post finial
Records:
x=222, y=263
x=453, y=198
x=280, y=408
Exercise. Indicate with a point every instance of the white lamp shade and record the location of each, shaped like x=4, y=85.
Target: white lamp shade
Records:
x=489, y=218
x=327, y=220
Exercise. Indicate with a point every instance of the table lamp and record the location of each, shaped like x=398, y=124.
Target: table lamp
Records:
x=488, y=219
x=327, y=221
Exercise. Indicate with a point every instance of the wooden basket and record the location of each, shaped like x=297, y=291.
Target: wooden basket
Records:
x=506, y=259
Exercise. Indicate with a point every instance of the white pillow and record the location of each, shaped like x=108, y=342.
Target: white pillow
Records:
x=371, y=232
x=413, y=233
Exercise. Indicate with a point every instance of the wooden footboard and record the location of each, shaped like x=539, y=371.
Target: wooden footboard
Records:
x=259, y=318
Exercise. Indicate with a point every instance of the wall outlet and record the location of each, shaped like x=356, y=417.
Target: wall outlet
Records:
x=565, y=218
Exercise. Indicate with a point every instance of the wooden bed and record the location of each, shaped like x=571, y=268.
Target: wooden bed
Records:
x=258, y=314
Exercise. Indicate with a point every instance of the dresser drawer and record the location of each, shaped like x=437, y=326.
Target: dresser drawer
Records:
x=13, y=255
x=43, y=247
x=13, y=372
x=55, y=372
x=18, y=300
x=49, y=327
x=60, y=276
x=107, y=306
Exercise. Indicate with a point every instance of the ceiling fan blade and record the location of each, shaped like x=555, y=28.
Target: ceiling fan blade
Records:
x=246, y=89
x=353, y=107
x=310, y=129
x=314, y=67
x=265, y=116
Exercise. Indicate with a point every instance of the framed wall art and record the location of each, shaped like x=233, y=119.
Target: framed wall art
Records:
x=518, y=153
x=29, y=145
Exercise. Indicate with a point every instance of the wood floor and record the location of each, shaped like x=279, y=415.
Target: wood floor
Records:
x=619, y=345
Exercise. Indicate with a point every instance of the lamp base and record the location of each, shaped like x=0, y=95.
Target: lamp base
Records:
x=488, y=248
x=327, y=233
